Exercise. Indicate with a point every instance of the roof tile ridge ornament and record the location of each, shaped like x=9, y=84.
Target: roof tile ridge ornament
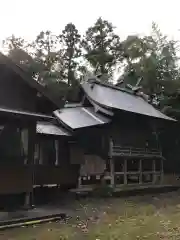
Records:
x=137, y=90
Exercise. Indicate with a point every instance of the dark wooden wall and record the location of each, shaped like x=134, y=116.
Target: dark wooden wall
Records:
x=65, y=173
x=132, y=130
x=94, y=140
x=15, y=179
x=170, y=144
x=62, y=175
x=15, y=176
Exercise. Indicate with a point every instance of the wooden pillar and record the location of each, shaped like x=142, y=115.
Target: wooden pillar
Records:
x=31, y=147
x=79, y=181
x=140, y=171
x=162, y=170
x=154, y=170
x=125, y=171
x=111, y=160
x=27, y=201
x=57, y=152
x=40, y=153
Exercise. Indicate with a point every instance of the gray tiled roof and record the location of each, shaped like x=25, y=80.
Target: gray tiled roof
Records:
x=113, y=97
x=50, y=129
x=80, y=117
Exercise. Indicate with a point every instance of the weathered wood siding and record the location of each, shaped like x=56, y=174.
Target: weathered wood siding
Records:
x=93, y=165
x=94, y=141
x=15, y=179
x=66, y=171
x=132, y=130
x=15, y=174
x=62, y=175
x=76, y=154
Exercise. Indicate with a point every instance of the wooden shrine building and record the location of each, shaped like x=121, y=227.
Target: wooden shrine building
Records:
x=110, y=134
x=117, y=132
x=26, y=122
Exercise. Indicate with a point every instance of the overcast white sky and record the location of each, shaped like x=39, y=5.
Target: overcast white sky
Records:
x=27, y=18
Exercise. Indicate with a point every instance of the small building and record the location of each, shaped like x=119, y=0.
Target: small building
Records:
x=26, y=117
x=117, y=132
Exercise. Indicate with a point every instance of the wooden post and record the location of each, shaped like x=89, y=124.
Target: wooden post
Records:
x=27, y=201
x=111, y=162
x=57, y=152
x=162, y=170
x=31, y=147
x=154, y=170
x=79, y=181
x=140, y=171
x=112, y=171
x=40, y=153
x=125, y=171
x=110, y=148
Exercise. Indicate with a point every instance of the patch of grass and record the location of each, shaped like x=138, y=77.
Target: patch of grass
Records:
x=103, y=191
x=149, y=217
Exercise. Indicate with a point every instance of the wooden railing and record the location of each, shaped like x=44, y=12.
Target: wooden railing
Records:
x=116, y=150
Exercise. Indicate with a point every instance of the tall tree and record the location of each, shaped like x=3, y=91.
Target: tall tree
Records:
x=12, y=43
x=101, y=44
x=48, y=57
x=41, y=59
x=17, y=50
x=70, y=40
x=151, y=61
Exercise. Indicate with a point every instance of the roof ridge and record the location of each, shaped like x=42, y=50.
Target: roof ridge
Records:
x=97, y=81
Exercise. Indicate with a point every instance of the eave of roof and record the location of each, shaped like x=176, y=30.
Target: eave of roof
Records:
x=23, y=114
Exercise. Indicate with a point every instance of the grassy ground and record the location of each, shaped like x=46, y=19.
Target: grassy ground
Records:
x=144, y=217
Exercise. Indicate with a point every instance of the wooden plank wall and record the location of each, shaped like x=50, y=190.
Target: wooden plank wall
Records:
x=132, y=132
x=15, y=179
x=56, y=174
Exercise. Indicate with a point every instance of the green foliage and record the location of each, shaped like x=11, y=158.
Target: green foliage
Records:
x=70, y=41
x=18, y=51
x=47, y=57
x=101, y=46
x=151, y=57
x=152, y=63
x=59, y=61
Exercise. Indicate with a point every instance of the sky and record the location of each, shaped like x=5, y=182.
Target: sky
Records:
x=27, y=18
